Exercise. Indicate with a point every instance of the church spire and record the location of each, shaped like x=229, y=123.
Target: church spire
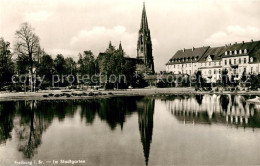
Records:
x=110, y=45
x=144, y=44
x=144, y=22
x=120, y=46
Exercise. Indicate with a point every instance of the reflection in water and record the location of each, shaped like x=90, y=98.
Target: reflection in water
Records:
x=208, y=109
x=145, y=121
x=30, y=119
x=7, y=112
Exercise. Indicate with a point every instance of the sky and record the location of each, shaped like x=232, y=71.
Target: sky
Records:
x=70, y=27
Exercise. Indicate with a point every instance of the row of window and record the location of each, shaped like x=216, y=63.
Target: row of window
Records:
x=226, y=62
x=184, y=59
x=232, y=71
x=240, y=61
x=236, y=52
x=199, y=64
x=211, y=63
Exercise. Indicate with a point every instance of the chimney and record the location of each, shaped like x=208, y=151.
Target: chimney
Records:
x=184, y=50
x=193, y=48
x=230, y=44
x=225, y=45
x=252, y=40
x=235, y=42
x=243, y=42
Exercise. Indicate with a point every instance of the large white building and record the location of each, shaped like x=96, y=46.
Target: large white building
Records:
x=235, y=58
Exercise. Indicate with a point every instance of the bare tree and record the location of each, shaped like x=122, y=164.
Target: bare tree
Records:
x=27, y=43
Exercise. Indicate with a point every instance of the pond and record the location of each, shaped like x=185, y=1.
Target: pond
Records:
x=165, y=130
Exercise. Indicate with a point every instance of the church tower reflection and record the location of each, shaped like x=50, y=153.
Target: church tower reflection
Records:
x=145, y=120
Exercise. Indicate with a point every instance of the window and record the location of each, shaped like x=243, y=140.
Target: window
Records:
x=239, y=60
x=219, y=71
x=251, y=59
x=215, y=71
x=230, y=61
x=230, y=52
x=235, y=51
x=244, y=69
x=209, y=71
x=251, y=69
x=225, y=62
x=240, y=51
x=190, y=65
x=226, y=53
x=245, y=51
x=244, y=60
x=235, y=61
x=214, y=63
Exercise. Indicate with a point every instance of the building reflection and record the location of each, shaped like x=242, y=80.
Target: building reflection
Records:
x=145, y=121
x=225, y=109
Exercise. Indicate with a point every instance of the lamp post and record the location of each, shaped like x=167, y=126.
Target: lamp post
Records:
x=33, y=79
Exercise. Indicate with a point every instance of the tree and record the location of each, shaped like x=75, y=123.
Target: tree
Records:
x=70, y=66
x=59, y=64
x=225, y=78
x=86, y=63
x=45, y=68
x=27, y=44
x=254, y=81
x=71, y=69
x=6, y=64
x=199, y=79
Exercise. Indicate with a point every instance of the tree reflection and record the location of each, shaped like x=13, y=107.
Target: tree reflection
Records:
x=34, y=119
x=115, y=110
x=30, y=119
x=111, y=110
x=29, y=129
x=7, y=113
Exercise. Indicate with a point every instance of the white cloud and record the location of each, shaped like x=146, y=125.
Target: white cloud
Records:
x=234, y=33
x=65, y=52
x=97, y=39
x=37, y=16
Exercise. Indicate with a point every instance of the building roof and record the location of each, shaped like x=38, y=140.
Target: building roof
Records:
x=244, y=45
x=215, y=53
x=251, y=48
x=188, y=55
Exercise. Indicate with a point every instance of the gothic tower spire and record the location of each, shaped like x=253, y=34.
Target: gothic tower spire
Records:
x=144, y=44
x=120, y=46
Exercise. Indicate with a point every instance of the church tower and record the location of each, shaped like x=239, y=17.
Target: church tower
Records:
x=144, y=44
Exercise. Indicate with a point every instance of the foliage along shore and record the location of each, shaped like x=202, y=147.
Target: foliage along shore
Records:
x=81, y=95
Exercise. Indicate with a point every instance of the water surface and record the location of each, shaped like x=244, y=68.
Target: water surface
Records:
x=168, y=130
